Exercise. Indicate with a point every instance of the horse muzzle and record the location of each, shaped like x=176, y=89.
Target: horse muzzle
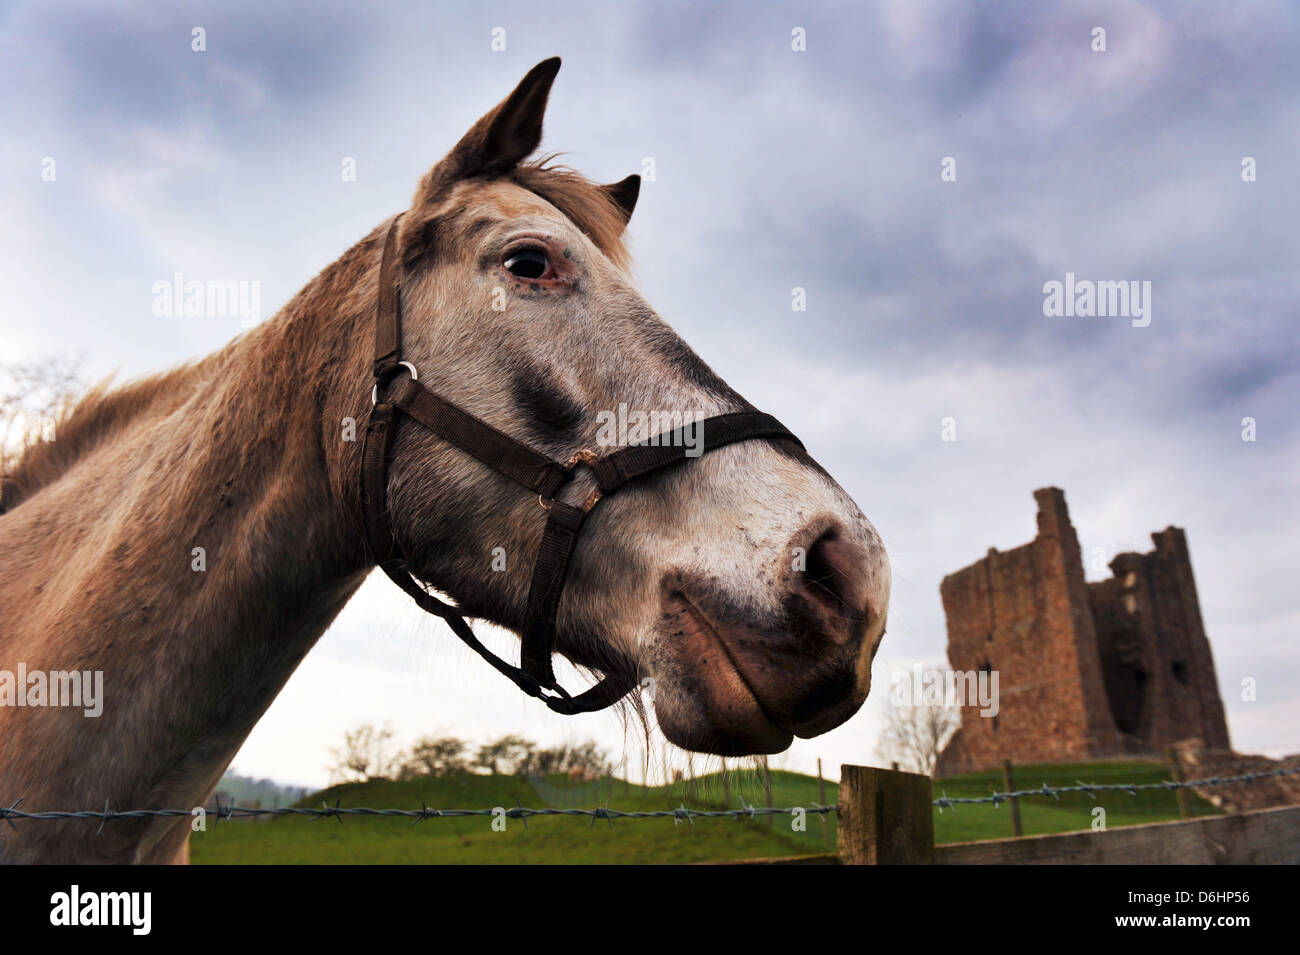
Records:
x=736, y=685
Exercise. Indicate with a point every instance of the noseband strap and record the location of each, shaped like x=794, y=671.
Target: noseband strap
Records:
x=529, y=469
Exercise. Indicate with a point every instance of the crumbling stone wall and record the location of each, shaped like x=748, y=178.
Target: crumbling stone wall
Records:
x=1086, y=671
x=1201, y=763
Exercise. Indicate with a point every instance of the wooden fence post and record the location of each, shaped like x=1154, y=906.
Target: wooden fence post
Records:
x=1184, y=794
x=885, y=818
x=1009, y=780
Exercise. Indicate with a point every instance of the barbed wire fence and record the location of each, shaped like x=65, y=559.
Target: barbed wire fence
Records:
x=996, y=799
x=682, y=814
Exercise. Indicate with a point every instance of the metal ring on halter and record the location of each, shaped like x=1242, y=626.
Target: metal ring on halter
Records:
x=587, y=457
x=374, y=390
x=587, y=504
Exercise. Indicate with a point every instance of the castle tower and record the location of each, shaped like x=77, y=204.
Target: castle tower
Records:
x=1158, y=668
x=1085, y=671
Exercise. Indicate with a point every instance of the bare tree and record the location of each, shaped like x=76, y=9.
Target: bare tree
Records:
x=434, y=757
x=32, y=397
x=366, y=754
x=588, y=758
x=914, y=736
x=505, y=755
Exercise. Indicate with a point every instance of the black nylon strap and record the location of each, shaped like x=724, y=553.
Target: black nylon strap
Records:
x=560, y=537
x=494, y=448
x=374, y=482
x=388, y=323
x=605, y=693
x=563, y=523
x=398, y=574
x=384, y=550
x=638, y=460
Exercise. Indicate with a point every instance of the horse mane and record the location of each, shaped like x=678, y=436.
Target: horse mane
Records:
x=99, y=414
x=588, y=206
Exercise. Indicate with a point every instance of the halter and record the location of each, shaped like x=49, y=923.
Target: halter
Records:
x=528, y=468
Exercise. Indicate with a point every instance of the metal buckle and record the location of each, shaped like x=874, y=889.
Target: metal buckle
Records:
x=588, y=457
x=374, y=390
x=585, y=456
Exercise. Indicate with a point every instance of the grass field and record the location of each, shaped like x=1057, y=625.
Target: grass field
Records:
x=571, y=840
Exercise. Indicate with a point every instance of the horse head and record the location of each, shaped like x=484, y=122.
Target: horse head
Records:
x=745, y=589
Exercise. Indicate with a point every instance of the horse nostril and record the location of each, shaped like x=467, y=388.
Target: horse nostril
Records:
x=834, y=575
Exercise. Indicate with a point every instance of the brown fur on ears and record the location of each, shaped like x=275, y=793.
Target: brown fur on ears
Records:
x=496, y=147
x=588, y=206
x=624, y=193
x=500, y=140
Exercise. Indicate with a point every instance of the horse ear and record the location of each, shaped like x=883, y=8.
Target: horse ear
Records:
x=624, y=194
x=501, y=138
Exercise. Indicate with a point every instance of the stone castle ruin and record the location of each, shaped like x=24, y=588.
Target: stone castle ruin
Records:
x=1086, y=670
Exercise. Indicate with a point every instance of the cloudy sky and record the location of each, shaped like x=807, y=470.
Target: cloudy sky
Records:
x=774, y=168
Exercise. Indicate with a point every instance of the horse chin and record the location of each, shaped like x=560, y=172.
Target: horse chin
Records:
x=758, y=737
x=703, y=702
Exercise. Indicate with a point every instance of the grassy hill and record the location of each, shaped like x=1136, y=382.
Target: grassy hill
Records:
x=560, y=840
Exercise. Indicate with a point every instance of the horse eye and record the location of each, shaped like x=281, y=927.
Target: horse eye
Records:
x=527, y=263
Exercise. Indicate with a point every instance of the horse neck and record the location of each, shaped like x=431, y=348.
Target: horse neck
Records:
x=193, y=558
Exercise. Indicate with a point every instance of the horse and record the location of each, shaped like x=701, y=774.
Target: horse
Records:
x=192, y=534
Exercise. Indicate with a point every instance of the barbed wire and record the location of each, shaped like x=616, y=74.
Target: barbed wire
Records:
x=951, y=802
x=681, y=814
x=523, y=813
